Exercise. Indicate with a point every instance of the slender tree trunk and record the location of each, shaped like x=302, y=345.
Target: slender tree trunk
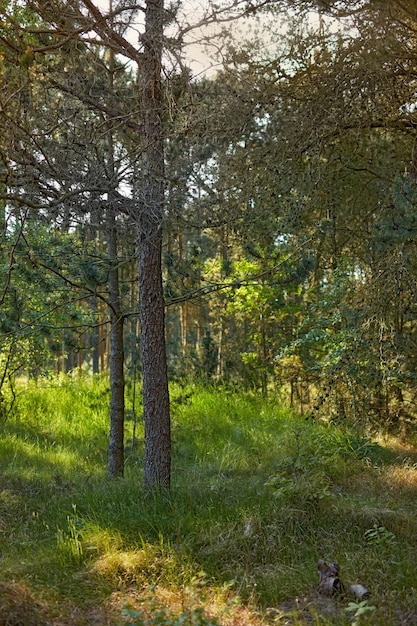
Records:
x=102, y=345
x=183, y=305
x=80, y=354
x=264, y=357
x=116, y=359
x=184, y=327
x=157, y=466
x=220, y=342
x=95, y=337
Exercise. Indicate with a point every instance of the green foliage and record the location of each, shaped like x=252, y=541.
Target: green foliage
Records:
x=305, y=489
x=380, y=536
x=40, y=313
x=311, y=461
x=358, y=610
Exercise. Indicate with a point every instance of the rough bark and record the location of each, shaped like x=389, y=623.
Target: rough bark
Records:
x=115, y=463
x=157, y=466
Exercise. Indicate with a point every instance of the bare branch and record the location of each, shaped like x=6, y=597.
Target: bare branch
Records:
x=110, y=36
x=226, y=14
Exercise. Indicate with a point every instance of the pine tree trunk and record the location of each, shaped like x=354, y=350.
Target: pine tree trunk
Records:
x=157, y=467
x=184, y=327
x=115, y=463
x=95, y=337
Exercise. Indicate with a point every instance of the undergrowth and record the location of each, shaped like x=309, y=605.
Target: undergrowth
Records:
x=258, y=496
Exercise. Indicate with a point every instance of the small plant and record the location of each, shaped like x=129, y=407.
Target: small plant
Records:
x=380, y=536
x=358, y=609
x=69, y=541
x=361, y=447
x=303, y=477
x=306, y=488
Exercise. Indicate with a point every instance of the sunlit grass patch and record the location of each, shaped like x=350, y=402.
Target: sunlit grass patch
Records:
x=201, y=602
x=123, y=568
x=403, y=479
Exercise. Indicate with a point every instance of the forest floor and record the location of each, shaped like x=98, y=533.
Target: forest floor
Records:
x=259, y=495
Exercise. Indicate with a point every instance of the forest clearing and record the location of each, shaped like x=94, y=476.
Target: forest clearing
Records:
x=259, y=496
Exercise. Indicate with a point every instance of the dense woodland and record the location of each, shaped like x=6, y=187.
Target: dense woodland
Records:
x=287, y=201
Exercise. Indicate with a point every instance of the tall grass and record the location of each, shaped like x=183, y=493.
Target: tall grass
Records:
x=259, y=495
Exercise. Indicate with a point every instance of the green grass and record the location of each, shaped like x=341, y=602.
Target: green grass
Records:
x=258, y=496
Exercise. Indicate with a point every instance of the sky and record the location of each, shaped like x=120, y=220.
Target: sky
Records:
x=199, y=57
x=206, y=59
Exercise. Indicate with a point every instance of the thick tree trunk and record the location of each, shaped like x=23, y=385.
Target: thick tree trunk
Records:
x=157, y=468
